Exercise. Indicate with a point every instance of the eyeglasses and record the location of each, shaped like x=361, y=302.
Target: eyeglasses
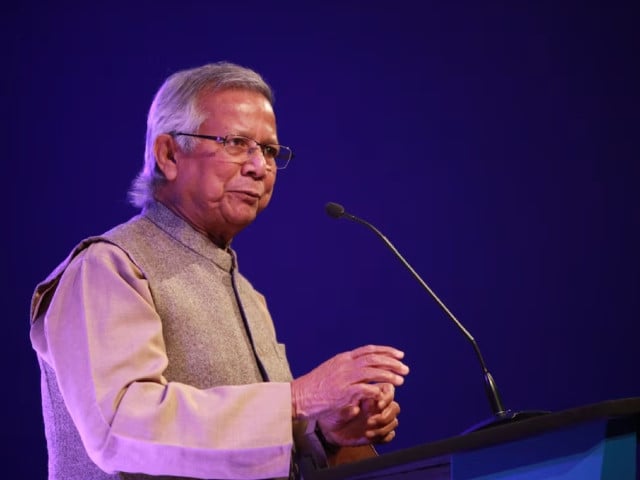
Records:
x=237, y=145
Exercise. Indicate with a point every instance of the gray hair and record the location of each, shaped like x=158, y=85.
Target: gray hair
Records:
x=175, y=108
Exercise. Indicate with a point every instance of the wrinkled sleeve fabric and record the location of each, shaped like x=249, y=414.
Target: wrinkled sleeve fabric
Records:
x=103, y=337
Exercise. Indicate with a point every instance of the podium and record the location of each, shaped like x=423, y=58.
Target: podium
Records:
x=597, y=441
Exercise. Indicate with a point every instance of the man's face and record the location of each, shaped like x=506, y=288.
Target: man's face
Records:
x=217, y=193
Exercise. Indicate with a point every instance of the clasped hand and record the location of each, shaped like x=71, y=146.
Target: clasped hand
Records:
x=351, y=396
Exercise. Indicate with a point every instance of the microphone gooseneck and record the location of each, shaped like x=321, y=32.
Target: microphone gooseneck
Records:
x=336, y=210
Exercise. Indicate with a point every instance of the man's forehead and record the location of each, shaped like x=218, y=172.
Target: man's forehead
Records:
x=240, y=111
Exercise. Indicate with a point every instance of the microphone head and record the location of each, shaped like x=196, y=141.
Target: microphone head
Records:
x=334, y=210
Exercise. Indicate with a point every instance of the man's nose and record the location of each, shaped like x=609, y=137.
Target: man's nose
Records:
x=257, y=161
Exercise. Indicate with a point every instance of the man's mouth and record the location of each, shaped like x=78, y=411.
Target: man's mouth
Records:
x=249, y=193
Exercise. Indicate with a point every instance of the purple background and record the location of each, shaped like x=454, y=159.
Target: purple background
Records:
x=496, y=146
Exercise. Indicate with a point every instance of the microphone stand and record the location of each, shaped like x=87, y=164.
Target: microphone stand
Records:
x=500, y=414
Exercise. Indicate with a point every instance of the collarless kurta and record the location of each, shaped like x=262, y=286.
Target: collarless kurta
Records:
x=158, y=357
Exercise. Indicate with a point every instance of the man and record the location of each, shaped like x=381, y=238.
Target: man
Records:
x=157, y=356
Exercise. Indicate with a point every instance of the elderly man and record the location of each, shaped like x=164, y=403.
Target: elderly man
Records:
x=157, y=356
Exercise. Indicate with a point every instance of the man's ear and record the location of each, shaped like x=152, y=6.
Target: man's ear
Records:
x=164, y=149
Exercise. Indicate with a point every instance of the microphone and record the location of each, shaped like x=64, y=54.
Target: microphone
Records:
x=500, y=414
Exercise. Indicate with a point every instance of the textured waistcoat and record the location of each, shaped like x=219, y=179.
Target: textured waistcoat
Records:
x=216, y=327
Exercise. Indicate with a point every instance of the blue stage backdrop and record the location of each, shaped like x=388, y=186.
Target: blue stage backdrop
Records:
x=494, y=143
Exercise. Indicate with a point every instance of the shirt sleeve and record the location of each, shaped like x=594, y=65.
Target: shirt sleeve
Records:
x=103, y=338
